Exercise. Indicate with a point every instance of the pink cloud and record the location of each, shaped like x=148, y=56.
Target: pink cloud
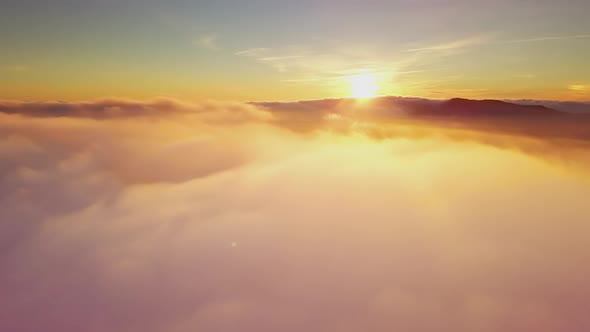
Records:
x=228, y=217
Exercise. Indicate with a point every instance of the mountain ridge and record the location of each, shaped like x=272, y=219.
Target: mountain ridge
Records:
x=459, y=107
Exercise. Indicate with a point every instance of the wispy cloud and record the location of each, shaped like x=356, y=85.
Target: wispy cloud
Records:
x=330, y=67
x=281, y=59
x=15, y=68
x=525, y=76
x=208, y=41
x=489, y=40
x=327, y=65
x=454, y=45
x=579, y=87
x=460, y=44
x=540, y=39
x=253, y=52
x=321, y=66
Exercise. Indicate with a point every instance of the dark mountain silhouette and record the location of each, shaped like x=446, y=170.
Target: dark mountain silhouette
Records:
x=489, y=108
x=456, y=107
x=485, y=115
x=393, y=106
x=579, y=107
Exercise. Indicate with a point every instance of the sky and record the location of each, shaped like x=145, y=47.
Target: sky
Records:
x=293, y=50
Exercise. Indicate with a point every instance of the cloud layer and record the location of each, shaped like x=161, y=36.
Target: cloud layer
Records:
x=315, y=216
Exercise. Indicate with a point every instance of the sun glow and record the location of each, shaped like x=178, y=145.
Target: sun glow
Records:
x=364, y=86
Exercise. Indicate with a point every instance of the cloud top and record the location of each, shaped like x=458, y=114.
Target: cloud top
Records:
x=120, y=215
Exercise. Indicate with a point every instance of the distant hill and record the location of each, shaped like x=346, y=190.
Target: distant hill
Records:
x=393, y=106
x=484, y=115
x=458, y=107
x=579, y=107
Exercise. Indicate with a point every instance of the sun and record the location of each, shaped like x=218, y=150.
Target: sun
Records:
x=363, y=86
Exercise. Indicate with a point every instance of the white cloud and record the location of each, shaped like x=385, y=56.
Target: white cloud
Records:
x=126, y=223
